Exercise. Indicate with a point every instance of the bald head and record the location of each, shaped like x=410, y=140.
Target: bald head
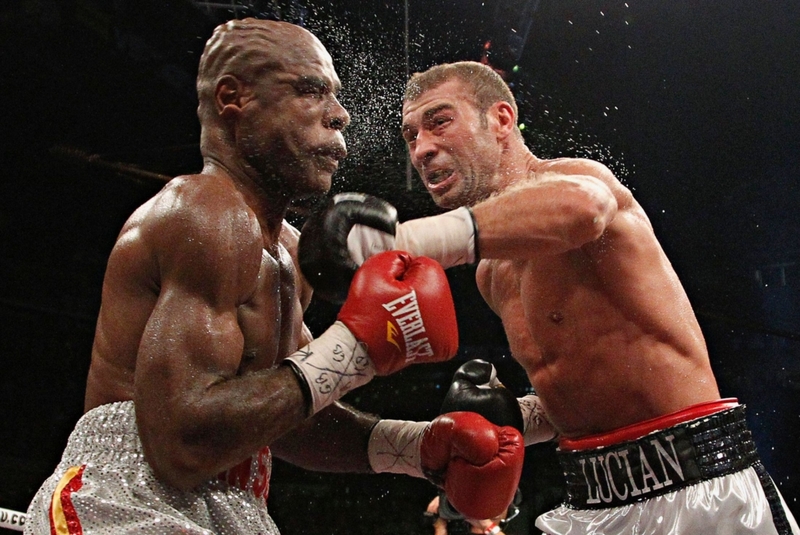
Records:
x=249, y=49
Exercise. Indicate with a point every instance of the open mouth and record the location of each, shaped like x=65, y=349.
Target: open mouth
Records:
x=437, y=177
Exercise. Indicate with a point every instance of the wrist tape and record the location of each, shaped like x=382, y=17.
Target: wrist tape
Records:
x=537, y=428
x=450, y=238
x=394, y=447
x=332, y=365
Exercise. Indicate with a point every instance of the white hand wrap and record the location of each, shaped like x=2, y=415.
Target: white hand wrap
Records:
x=394, y=447
x=332, y=365
x=364, y=241
x=450, y=238
x=537, y=428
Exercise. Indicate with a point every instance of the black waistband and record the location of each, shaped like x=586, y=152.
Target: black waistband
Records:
x=658, y=463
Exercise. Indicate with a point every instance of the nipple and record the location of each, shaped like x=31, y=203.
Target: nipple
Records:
x=556, y=316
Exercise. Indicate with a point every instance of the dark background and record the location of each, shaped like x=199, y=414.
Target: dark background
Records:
x=693, y=103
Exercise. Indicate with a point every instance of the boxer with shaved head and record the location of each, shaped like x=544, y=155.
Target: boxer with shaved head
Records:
x=202, y=367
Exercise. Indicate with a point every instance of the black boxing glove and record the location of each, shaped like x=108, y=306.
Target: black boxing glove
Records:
x=475, y=388
x=338, y=236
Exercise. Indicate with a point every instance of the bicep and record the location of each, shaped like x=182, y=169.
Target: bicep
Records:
x=188, y=345
x=192, y=339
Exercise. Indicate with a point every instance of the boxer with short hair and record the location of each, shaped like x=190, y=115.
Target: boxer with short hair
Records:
x=202, y=367
x=592, y=309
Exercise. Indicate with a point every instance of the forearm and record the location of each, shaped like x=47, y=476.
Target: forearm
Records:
x=233, y=418
x=549, y=218
x=333, y=440
x=230, y=421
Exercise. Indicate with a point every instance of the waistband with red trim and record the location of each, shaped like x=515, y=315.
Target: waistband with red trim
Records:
x=655, y=460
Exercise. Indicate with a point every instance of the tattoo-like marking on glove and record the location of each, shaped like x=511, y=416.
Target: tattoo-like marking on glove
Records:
x=399, y=454
x=333, y=365
x=534, y=411
x=537, y=427
x=394, y=447
x=342, y=369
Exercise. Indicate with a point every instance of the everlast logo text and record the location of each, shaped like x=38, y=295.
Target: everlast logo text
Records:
x=652, y=465
x=405, y=311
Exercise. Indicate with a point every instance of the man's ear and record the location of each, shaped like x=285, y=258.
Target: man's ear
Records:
x=505, y=117
x=229, y=96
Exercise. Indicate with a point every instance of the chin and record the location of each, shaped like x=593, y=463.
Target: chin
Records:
x=448, y=201
x=309, y=179
x=319, y=184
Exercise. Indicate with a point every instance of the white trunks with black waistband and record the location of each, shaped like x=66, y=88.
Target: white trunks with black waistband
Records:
x=695, y=471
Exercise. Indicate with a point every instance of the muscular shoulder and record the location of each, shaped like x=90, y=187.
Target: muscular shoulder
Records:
x=576, y=166
x=199, y=225
x=584, y=167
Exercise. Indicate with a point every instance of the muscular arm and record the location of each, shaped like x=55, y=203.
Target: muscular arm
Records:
x=568, y=204
x=196, y=415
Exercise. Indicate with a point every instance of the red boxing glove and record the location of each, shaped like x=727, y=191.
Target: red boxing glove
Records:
x=478, y=463
x=402, y=309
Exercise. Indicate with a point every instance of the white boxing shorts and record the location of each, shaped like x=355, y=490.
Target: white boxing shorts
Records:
x=693, y=472
x=104, y=486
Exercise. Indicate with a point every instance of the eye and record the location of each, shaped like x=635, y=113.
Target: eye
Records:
x=439, y=120
x=313, y=88
x=409, y=136
x=316, y=92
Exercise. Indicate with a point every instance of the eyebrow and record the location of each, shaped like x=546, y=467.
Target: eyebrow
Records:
x=430, y=113
x=316, y=82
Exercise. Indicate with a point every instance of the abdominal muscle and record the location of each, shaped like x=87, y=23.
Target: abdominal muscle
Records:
x=593, y=367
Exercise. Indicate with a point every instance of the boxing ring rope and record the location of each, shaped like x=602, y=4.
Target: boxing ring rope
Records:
x=13, y=520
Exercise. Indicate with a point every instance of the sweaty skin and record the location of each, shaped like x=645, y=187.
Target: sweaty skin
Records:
x=203, y=298
x=590, y=304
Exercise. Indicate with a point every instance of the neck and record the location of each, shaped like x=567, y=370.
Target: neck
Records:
x=519, y=165
x=269, y=206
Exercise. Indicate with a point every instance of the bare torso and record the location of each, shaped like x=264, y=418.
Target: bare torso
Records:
x=268, y=308
x=201, y=302
x=605, y=332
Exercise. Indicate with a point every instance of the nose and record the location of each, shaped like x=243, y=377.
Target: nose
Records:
x=424, y=149
x=336, y=116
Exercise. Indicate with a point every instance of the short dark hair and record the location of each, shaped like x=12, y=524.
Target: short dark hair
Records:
x=487, y=86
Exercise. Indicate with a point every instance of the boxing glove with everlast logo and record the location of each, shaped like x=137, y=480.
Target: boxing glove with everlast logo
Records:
x=399, y=311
